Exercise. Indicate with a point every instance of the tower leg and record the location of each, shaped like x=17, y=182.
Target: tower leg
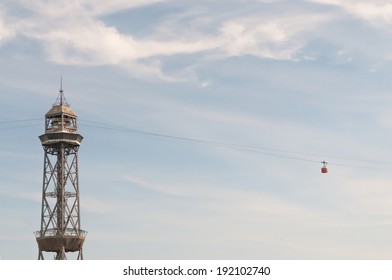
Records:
x=40, y=255
x=80, y=255
x=61, y=254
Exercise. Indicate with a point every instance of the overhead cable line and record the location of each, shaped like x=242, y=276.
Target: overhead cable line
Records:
x=18, y=121
x=281, y=153
x=19, y=126
x=262, y=150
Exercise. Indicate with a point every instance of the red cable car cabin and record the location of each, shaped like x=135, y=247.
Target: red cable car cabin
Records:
x=324, y=169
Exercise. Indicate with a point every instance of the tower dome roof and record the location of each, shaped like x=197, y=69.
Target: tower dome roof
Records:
x=61, y=106
x=60, y=110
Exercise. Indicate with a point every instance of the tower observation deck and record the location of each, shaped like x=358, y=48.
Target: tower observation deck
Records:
x=60, y=231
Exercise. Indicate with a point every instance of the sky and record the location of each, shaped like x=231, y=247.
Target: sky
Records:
x=205, y=124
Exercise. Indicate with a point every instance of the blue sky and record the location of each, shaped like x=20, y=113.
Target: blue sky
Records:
x=298, y=81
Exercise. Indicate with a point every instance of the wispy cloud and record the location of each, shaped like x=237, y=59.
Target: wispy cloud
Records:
x=288, y=225
x=22, y=195
x=377, y=13
x=58, y=9
x=7, y=32
x=95, y=205
x=72, y=32
x=275, y=38
x=177, y=189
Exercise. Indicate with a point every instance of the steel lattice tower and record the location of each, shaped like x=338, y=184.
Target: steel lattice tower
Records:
x=60, y=231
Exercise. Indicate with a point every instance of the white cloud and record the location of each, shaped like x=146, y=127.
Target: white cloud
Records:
x=72, y=32
x=59, y=9
x=6, y=31
x=276, y=38
x=92, y=44
x=100, y=7
x=82, y=39
x=377, y=13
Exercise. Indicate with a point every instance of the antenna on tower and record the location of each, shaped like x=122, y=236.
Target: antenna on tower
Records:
x=61, y=98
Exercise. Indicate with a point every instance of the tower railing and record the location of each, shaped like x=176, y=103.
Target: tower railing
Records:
x=52, y=232
x=61, y=137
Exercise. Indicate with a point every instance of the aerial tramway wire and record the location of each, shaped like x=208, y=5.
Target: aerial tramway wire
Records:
x=280, y=153
x=260, y=150
x=16, y=121
x=11, y=124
